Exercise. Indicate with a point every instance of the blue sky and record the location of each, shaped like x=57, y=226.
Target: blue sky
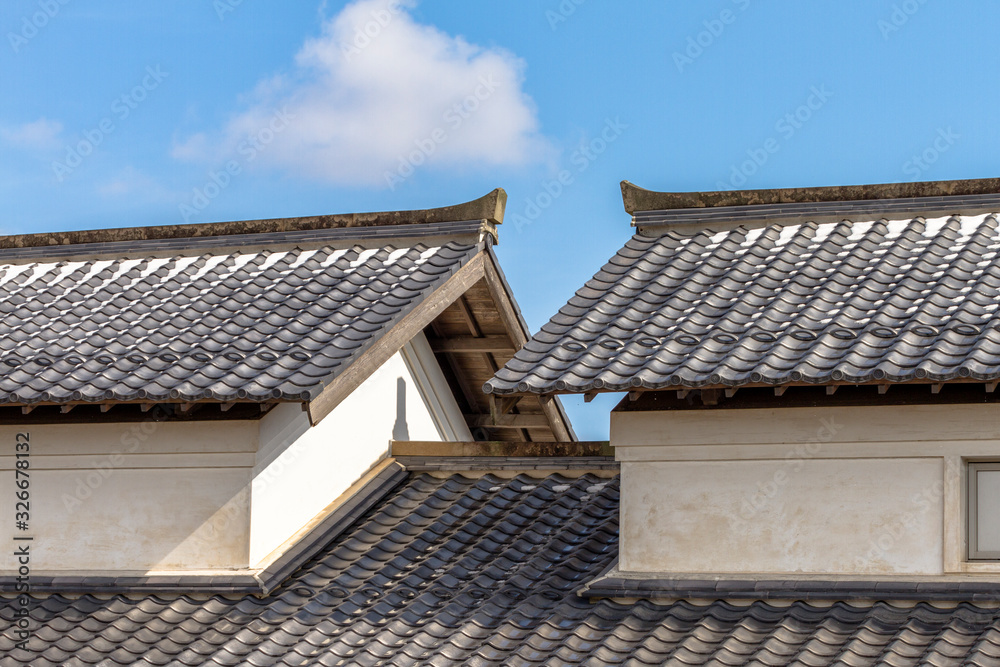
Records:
x=117, y=114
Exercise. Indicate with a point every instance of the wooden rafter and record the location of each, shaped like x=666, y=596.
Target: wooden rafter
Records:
x=471, y=399
x=472, y=344
x=507, y=421
x=500, y=406
x=477, y=333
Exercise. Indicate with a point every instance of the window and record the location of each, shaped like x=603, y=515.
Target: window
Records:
x=984, y=511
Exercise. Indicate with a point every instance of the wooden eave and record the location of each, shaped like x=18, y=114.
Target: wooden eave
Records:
x=812, y=395
x=474, y=328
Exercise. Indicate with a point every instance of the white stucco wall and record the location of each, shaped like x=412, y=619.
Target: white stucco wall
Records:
x=854, y=491
x=300, y=471
x=131, y=497
x=207, y=496
x=828, y=516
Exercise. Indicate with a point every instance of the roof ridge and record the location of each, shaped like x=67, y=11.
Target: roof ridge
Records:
x=489, y=208
x=141, y=248
x=636, y=199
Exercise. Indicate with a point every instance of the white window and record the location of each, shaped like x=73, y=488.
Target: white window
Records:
x=984, y=511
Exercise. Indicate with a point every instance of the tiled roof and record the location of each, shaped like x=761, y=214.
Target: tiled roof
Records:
x=841, y=302
x=461, y=571
x=217, y=324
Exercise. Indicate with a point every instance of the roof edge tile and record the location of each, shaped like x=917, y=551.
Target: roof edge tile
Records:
x=743, y=588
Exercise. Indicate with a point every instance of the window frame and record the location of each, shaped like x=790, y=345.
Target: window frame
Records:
x=972, y=504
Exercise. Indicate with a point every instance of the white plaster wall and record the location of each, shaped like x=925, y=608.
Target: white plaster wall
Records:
x=825, y=516
x=132, y=496
x=300, y=471
x=140, y=497
x=854, y=491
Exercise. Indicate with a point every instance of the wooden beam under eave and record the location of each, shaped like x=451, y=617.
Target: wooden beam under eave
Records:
x=507, y=421
x=393, y=340
x=470, y=344
x=476, y=331
x=467, y=391
x=501, y=405
x=468, y=316
x=517, y=329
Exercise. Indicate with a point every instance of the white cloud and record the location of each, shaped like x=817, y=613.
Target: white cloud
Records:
x=194, y=147
x=377, y=90
x=42, y=135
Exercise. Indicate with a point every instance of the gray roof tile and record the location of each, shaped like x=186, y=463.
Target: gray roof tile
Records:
x=252, y=325
x=447, y=571
x=862, y=301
